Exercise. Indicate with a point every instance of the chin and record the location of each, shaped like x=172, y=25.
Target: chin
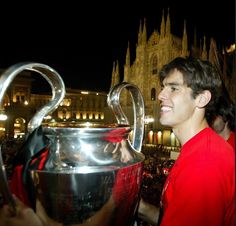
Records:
x=165, y=122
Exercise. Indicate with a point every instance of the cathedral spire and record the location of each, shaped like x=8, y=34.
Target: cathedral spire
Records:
x=168, y=24
x=140, y=33
x=144, y=35
x=195, y=38
x=195, y=50
x=200, y=47
x=204, y=51
x=115, y=74
x=127, y=65
x=117, y=71
x=127, y=61
x=213, y=55
x=185, y=41
x=114, y=67
x=211, y=51
x=163, y=25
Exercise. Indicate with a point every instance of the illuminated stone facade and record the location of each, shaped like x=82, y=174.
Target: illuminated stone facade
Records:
x=152, y=53
x=20, y=106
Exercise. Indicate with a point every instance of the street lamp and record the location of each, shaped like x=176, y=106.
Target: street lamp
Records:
x=3, y=116
x=147, y=120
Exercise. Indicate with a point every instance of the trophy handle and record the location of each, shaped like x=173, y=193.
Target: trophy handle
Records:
x=113, y=101
x=53, y=78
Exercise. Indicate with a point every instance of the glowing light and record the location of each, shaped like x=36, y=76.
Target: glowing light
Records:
x=48, y=117
x=172, y=139
x=3, y=117
x=88, y=124
x=231, y=48
x=150, y=137
x=148, y=120
x=159, y=137
x=26, y=102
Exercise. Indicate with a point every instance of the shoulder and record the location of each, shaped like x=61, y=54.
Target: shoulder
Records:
x=215, y=144
x=207, y=153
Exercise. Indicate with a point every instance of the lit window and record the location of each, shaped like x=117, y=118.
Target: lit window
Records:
x=153, y=94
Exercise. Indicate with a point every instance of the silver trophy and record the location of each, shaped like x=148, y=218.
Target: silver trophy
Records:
x=92, y=174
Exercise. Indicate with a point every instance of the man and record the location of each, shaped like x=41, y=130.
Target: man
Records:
x=200, y=189
x=223, y=120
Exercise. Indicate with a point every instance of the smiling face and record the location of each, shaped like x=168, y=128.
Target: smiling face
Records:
x=177, y=103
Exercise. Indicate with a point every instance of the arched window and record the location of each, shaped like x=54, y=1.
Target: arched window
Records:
x=6, y=100
x=154, y=65
x=153, y=94
x=19, y=127
x=64, y=113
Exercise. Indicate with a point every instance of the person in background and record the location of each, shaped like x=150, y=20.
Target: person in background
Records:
x=223, y=120
x=200, y=188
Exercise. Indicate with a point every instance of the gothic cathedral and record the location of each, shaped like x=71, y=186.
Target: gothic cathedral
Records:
x=151, y=54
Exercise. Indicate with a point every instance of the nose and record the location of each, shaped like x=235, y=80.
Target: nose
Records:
x=162, y=95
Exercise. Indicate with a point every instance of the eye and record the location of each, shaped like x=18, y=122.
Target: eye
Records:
x=173, y=88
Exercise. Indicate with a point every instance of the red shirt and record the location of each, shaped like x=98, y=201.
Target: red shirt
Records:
x=200, y=189
x=231, y=140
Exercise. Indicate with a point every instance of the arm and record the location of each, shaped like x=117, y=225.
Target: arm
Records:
x=24, y=216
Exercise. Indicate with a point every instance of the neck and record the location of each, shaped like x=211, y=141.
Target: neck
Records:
x=185, y=133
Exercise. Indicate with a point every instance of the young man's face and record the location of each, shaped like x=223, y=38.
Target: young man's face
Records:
x=177, y=103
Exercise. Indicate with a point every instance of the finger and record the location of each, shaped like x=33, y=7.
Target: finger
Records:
x=25, y=217
x=18, y=202
x=5, y=211
x=5, y=214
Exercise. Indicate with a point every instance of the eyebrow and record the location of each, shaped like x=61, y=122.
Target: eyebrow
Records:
x=172, y=84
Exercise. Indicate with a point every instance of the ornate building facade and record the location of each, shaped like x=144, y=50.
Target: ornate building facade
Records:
x=151, y=54
x=20, y=105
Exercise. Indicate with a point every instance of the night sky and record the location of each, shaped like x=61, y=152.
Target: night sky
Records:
x=81, y=39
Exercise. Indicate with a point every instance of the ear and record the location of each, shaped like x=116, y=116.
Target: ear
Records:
x=203, y=98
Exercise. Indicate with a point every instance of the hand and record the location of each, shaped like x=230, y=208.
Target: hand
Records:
x=25, y=216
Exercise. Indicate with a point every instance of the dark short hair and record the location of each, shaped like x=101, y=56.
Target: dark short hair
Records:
x=198, y=75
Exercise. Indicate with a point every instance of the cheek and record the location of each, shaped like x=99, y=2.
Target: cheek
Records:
x=183, y=112
x=183, y=103
x=184, y=108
